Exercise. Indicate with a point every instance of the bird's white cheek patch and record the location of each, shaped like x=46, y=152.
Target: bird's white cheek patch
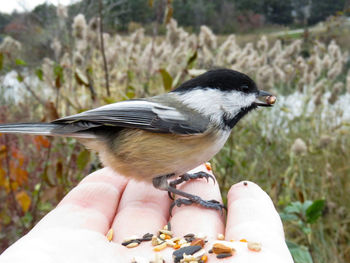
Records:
x=238, y=99
x=234, y=101
x=214, y=102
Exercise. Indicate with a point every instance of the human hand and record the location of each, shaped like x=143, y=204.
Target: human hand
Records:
x=75, y=231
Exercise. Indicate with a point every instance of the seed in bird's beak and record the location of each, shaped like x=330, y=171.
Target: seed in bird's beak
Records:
x=271, y=99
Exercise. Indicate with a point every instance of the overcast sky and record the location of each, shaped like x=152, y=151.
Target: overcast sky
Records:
x=7, y=6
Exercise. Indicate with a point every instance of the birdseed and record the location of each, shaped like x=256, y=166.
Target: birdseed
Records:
x=198, y=242
x=154, y=241
x=133, y=244
x=147, y=237
x=126, y=243
x=271, y=100
x=110, y=235
x=219, y=248
x=158, y=258
x=208, y=166
x=221, y=237
x=178, y=255
x=254, y=246
x=204, y=258
x=199, y=254
x=170, y=243
x=224, y=255
x=160, y=247
x=165, y=232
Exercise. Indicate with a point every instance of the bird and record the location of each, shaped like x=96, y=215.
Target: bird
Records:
x=163, y=137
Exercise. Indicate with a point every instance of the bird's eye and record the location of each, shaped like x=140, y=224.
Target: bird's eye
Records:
x=245, y=88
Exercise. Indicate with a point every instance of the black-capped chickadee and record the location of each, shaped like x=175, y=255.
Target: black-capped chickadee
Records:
x=162, y=137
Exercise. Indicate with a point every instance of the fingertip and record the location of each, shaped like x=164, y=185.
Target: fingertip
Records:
x=247, y=189
x=252, y=216
x=246, y=200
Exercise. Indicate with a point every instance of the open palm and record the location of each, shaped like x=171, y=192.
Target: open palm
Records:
x=76, y=230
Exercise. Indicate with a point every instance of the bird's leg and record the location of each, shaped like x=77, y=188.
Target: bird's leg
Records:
x=186, y=177
x=162, y=184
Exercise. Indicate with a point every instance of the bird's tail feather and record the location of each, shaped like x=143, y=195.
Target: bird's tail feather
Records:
x=47, y=129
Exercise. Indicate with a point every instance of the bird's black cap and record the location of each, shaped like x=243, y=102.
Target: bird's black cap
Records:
x=222, y=79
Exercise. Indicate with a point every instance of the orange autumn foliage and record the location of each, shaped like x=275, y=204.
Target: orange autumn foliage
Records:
x=3, y=180
x=2, y=151
x=18, y=156
x=23, y=200
x=41, y=141
x=17, y=174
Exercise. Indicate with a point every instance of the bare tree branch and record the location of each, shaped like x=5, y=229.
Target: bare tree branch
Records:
x=103, y=49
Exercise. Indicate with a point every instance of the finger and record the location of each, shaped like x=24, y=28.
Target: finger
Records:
x=196, y=219
x=252, y=216
x=90, y=205
x=142, y=209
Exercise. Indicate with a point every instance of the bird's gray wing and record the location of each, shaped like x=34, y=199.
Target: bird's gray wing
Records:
x=141, y=114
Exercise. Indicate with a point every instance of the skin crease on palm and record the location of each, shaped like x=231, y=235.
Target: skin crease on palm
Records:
x=75, y=231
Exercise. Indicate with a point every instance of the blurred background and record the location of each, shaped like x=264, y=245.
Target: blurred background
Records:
x=64, y=57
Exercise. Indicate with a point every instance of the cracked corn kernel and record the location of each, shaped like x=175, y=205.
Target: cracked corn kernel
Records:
x=208, y=166
x=160, y=247
x=175, y=239
x=177, y=246
x=164, y=236
x=110, y=235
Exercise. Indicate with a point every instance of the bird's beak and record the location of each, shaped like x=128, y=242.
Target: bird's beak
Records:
x=264, y=99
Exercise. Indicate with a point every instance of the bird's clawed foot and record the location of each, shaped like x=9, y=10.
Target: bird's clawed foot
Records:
x=211, y=204
x=161, y=182
x=186, y=177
